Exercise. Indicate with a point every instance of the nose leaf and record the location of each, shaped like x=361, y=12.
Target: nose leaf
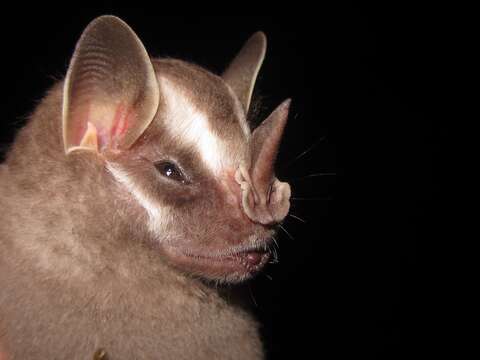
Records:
x=280, y=200
x=265, y=199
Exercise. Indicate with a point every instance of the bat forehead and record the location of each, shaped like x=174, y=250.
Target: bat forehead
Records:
x=200, y=111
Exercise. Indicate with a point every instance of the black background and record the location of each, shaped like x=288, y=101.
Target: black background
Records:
x=349, y=281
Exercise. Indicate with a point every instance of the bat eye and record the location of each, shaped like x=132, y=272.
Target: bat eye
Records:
x=170, y=170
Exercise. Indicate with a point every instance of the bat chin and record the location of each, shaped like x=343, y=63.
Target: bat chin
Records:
x=229, y=266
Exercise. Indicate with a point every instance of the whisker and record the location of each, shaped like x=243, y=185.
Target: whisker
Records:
x=251, y=295
x=268, y=276
x=275, y=242
x=298, y=218
x=274, y=259
x=311, y=199
x=275, y=256
x=315, y=144
x=265, y=247
x=286, y=232
x=312, y=175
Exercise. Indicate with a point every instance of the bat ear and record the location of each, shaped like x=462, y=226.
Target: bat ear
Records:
x=111, y=92
x=243, y=70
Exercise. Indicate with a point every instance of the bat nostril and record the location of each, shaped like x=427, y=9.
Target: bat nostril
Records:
x=266, y=203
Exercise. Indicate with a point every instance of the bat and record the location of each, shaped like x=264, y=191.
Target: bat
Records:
x=136, y=187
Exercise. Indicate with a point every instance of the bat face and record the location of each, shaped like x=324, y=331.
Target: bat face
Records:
x=174, y=139
x=182, y=172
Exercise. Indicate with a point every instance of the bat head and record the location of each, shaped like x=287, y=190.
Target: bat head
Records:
x=174, y=139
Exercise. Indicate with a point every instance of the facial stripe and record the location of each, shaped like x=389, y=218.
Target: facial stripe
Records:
x=191, y=126
x=156, y=214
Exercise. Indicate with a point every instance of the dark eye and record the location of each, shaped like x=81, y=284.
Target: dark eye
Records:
x=170, y=170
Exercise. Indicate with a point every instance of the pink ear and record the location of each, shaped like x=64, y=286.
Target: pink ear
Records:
x=111, y=93
x=243, y=70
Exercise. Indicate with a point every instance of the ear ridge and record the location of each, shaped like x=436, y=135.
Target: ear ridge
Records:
x=242, y=72
x=110, y=91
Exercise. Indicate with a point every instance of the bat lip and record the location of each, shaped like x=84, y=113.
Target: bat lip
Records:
x=233, y=265
x=249, y=258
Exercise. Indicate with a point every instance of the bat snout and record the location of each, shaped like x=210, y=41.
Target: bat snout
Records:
x=263, y=204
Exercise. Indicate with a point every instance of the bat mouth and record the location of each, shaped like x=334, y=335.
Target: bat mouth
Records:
x=251, y=260
x=233, y=265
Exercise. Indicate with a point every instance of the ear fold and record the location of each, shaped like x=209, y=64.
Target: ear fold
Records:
x=242, y=72
x=111, y=92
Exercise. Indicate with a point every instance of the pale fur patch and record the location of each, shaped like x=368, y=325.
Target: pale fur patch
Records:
x=157, y=216
x=191, y=126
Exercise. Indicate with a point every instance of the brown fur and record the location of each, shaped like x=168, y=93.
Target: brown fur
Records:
x=79, y=268
x=73, y=280
x=211, y=95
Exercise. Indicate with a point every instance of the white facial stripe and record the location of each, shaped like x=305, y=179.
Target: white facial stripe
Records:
x=157, y=217
x=192, y=126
